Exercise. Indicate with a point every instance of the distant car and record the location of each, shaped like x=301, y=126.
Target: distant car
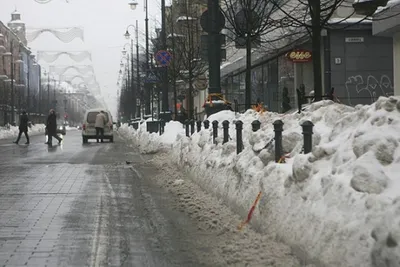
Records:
x=88, y=129
x=61, y=129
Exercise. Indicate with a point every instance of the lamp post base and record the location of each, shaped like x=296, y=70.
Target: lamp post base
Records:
x=216, y=103
x=165, y=116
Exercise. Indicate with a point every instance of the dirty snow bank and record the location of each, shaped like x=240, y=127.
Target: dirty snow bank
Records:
x=14, y=130
x=340, y=203
x=229, y=247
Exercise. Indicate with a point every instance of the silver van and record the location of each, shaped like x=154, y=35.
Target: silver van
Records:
x=88, y=129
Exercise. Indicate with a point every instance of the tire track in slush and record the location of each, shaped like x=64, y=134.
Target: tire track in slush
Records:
x=101, y=234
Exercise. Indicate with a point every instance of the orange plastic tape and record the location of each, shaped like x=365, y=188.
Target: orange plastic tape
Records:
x=250, y=214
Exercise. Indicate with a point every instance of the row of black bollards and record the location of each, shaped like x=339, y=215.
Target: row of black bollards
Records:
x=256, y=125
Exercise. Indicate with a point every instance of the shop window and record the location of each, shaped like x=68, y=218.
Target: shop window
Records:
x=286, y=79
x=257, y=85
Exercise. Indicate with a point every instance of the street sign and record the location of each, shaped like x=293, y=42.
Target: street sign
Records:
x=205, y=21
x=151, y=77
x=163, y=58
x=247, y=20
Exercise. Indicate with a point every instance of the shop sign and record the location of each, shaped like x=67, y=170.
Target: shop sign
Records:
x=298, y=56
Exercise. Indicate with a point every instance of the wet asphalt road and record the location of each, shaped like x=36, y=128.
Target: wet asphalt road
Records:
x=82, y=205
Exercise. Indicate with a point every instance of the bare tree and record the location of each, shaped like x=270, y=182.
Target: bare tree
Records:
x=185, y=33
x=251, y=22
x=175, y=66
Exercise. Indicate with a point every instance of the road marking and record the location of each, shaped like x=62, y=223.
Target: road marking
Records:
x=94, y=262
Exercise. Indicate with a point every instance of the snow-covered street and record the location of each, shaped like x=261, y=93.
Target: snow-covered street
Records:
x=338, y=205
x=13, y=131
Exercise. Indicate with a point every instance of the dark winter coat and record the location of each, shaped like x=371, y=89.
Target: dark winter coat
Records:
x=23, y=123
x=51, y=125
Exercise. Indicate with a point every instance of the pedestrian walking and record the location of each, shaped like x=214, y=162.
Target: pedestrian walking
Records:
x=23, y=127
x=100, y=123
x=51, y=128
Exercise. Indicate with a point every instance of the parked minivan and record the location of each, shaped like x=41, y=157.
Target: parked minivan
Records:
x=88, y=129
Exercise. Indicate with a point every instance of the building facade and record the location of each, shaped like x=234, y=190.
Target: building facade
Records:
x=386, y=23
x=19, y=72
x=350, y=64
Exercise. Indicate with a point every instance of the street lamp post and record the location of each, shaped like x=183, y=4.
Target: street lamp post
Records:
x=214, y=57
x=134, y=92
x=48, y=88
x=28, y=84
x=165, y=104
x=54, y=94
x=12, y=82
x=128, y=80
x=133, y=4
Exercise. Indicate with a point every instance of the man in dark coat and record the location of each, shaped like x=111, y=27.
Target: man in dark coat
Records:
x=23, y=127
x=51, y=128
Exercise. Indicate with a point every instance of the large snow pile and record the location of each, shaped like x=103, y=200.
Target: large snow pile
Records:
x=13, y=131
x=152, y=142
x=340, y=203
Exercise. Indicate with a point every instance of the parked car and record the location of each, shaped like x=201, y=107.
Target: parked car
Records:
x=88, y=129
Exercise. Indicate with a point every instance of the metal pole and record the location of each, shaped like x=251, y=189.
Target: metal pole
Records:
x=147, y=89
x=12, y=82
x=48, y=91
x=174, y=80
x=137, y=69
x=28, y=87
x=40, y=92
x=214, y=48
x=165, y=104
x=54, y=95
x=133, y=89
x=128, y=110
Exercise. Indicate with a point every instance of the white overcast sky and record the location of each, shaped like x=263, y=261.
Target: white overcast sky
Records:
x=104, y=23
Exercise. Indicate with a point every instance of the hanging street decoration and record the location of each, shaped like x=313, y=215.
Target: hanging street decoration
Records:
x=83, y=69
x=51, y=56
x=46, y=1
x=65, y=35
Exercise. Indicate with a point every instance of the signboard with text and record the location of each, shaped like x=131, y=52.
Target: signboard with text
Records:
x=299, y=56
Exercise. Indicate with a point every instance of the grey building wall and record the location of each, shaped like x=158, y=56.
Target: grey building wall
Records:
x=361, y=71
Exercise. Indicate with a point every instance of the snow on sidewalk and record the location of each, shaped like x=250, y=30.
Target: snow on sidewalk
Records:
x=14, y=130
x=340, y=203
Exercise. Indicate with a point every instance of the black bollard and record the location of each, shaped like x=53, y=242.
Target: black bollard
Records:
x=278, y=128
x=187, y=128
x=191, y=127
x=206, y=124
x=225, y=126
x=256, y=125
x=215, y=131
x=198, y=124
x=239, y=138
x=162, y=126
x=307, y=135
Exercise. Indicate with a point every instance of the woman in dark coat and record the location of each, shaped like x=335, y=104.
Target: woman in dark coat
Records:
x=23, y=127
x=51, y=127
